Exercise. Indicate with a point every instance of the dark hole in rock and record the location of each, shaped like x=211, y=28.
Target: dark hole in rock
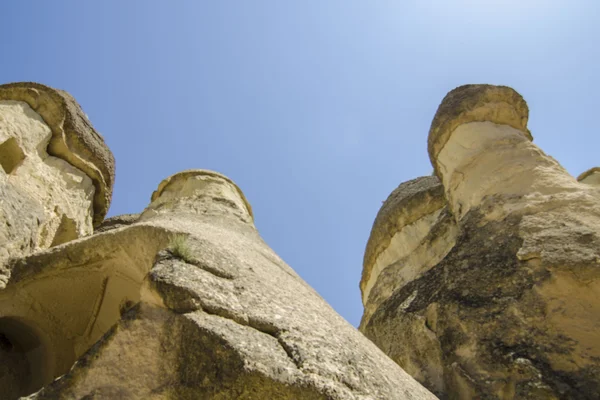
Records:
x=5, y=344
x=51, y=320
x=21, y=359
x=11, y=155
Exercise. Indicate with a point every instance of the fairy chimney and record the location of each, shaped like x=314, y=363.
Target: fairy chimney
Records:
x=511, y=311
x=184, y=300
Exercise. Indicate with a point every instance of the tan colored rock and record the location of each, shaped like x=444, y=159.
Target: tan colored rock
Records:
x=412, y=232
x=186, y=302
x=590, y=177
x=73, y=138
x=479, y=144
x=476, y=103
x=46, y=198
x=193, y=190
x=513, y=310
x=118, y=221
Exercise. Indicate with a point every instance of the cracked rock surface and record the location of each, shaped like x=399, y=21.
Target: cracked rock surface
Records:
x=188, y=302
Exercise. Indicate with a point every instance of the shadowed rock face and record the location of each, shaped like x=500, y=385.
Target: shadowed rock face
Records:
x=512, y=311
x=184, y=302
x=56, y=176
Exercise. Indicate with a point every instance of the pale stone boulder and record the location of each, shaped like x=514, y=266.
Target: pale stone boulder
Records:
x=186, y=302
x=513, y=310
x=56, y=173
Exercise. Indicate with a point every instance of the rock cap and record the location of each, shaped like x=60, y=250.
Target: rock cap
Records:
x=406, y=204
x=183, y=175
x=476, y=103
x=588, y=173
x=74, y=139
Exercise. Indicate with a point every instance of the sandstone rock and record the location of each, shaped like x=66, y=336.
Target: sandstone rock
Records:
x=186, y=302
x=118, y=221
x=512, y=311
x=591, y=177
x=412, y=232
x=56, y=176
x=73, y=138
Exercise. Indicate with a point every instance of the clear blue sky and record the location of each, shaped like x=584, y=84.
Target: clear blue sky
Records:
x=317, y=109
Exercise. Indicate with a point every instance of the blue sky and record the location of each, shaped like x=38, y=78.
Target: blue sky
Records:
x=317, y=109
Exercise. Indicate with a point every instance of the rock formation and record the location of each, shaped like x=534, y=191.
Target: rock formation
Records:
x=591, y=176
x=57, y=174
x=485, y=283
x=183, y=301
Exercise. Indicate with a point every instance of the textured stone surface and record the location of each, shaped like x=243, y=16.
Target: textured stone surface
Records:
x=590, y=177
x=414, y=249
x=188, y=302
x=73, y=139
x=412, y=232
x=118, y=221
x=476, y=103
x=513, y=310
x=45, y=200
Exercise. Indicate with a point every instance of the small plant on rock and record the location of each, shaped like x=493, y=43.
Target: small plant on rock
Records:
x=180, y=248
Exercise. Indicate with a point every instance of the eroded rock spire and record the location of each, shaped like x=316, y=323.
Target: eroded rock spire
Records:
x=511, y=310
x=184, y=300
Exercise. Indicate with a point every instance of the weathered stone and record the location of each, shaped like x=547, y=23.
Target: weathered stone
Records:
x=73, y=138
x=512, y=311
x=476, y=103
x=187, y=302
x=52, y=184
x=118, y=221
x=414, y=248
x=590, y=177
x=11, y=155
x=412, y=232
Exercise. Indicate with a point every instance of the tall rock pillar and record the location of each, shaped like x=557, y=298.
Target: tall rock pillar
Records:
x=186, y=302
x=512, y=311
